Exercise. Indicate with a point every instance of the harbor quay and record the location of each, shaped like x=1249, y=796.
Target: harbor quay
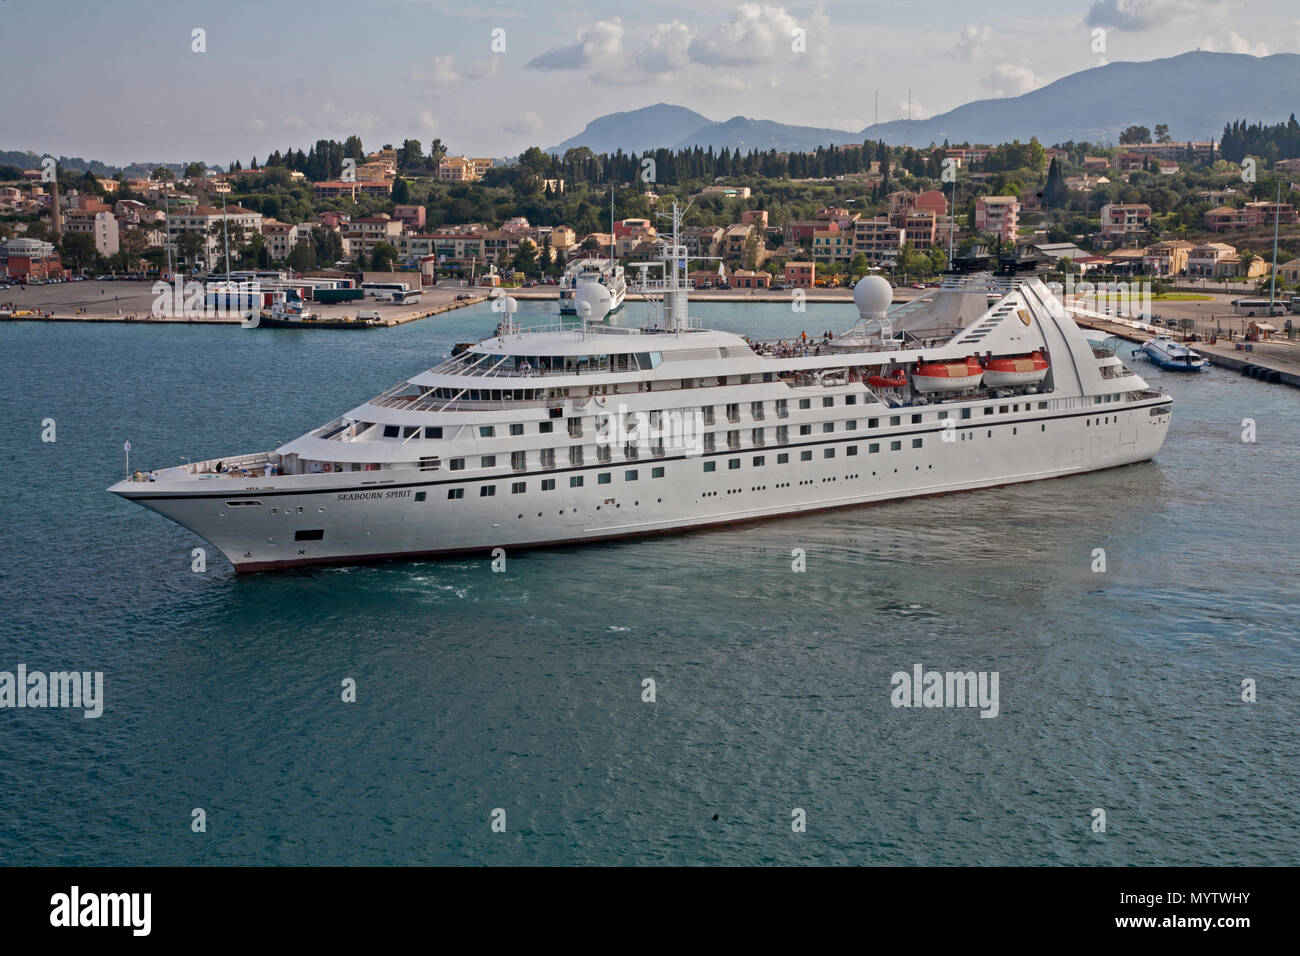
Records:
x=132, y=301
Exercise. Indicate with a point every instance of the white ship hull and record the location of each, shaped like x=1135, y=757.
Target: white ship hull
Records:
x=559, y=435
x=382, y=519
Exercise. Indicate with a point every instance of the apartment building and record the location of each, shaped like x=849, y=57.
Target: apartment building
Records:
x=412, y=217
x=101, y=225
x=211, y=224
x=999, y=215
x=463, y=169
x=878, y=239
x=702, y=240
x=280, y=237
x=801, y=275
x=832, y=244
x=1166, y=258
x=1208, y=259
x=360, y=236
x=1124, y=221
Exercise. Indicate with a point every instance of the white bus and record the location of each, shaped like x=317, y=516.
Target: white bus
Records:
x=404, y=298
x=383, y=290
x=1253, y=307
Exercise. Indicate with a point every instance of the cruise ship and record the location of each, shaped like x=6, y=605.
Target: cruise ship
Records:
x=604, y=272
x=591, y=432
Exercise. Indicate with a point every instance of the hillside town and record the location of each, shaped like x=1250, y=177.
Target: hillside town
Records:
x=1162, y=209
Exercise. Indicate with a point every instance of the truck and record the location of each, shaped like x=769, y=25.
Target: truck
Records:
x=330, y=296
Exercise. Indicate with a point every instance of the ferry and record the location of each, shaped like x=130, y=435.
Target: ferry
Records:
x=605, y=272
x=1171, y=355
x=586, y=432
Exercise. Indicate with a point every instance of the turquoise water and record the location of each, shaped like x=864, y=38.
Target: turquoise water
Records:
x=522, y=690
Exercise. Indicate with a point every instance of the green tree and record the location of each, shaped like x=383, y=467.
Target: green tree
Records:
x=1162, y=133
x=383, y=257
x=1135, y=134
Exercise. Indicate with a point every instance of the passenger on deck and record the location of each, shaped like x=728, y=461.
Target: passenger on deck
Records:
x=221, y=468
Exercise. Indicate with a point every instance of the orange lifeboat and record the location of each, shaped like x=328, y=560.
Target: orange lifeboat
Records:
x=947, y=376
x=1015, y=370
x=897, y=380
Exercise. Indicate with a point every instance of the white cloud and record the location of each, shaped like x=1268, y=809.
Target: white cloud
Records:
x=755, y=34
x=427, y=122
x=1236, y=43
x=1140, y=14
x=294, y=122
x=529, y=122
x=667, y=50
x=1010, y=79
x=598, y=46
x=917, y=110
x=971, y=42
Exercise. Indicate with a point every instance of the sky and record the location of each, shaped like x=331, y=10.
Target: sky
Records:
x=132, y=81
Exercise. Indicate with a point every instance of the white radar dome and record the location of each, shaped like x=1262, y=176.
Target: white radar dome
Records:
x=597, y=297
x=873, y=295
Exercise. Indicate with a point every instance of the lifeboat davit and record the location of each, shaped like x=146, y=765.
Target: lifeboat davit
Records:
x=1017, y=370
x=897, y=380
x=947, y=376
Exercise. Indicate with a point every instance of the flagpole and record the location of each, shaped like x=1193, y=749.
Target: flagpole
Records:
x=1272, y=276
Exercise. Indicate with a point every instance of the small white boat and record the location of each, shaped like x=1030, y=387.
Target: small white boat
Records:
x=1175, y=356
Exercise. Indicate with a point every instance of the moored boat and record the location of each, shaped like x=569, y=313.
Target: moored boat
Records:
x=1171, y=355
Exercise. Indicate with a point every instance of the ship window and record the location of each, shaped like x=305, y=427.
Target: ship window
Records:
x=710, y=466
x=942, y=416
x=317, y=534
x=965, y=413
x=851, y=450
x=548, y=484
x=1002, y=409
x=895, y=420
x=518, y=487
x=988, y=409
x=1042, y=428
x=805, y=403
x=604, y=478
x=656, y=472
x=851, y=425
x=488, y=461
x=391, y=431
x=575, y=481
x=733, y=463
x=517, y=428
x=410, y=430
x=1042, y=405
x=759, y=461
x=850, y=399
x=556, y=412
x=828, y=401
x=545, y=428
x=428, y=464
x=421, y=495
x=487, y=491
x=629, y=475
x=828, y=426
x=783, y=458
x=916, y=442
x=453, y=493
x=432, y=431
x=805, y=456
x=873, y=422
x=873, y=448
x=805, y=429
x=487, y=431
x=895, y=445
x=456, y=464
x=828, y=452
x=916, y=419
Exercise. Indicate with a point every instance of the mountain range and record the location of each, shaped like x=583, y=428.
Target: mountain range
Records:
x=1196, y=94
